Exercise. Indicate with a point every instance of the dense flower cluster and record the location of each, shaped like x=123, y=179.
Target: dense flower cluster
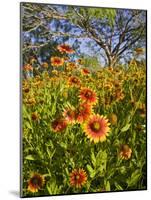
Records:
x=80, y=122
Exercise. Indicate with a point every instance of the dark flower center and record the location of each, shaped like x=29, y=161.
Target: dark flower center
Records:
x=36, y=181
x=75, y=80
x=88, y=94
x=86, y=71
x=55, y=124
x=57, y=61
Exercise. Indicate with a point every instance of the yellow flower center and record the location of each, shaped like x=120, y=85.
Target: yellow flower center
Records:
x=96, y=126
x=77, y=177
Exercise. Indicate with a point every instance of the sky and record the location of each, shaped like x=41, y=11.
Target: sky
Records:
x=84, y=46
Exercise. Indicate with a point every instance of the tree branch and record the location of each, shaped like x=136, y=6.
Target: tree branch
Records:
x=130, y=44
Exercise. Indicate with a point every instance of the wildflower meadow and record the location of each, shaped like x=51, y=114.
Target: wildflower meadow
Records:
x=83, y=120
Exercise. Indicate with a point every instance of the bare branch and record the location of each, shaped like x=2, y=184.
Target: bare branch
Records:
x=130, y=44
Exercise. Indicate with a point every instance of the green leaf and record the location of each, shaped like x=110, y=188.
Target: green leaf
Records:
x=66, y=171
x=123, y=170
x=28, y=125
x=30, y=157
x=118, y=187
x=50, y=153
x=25, y=113
x=53, y=110
x=49, y=143
x=125, y=128
x=91, y=171
x=133, y=137
x=63, y=145
x=72, y=163
x=134, y=178
x=53, y=188
x=47, y=175
x=93, y=159
x=116, y=142
x=101, y=160
x=107, y=186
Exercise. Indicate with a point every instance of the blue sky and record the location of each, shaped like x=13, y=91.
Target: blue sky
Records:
x=82, y=45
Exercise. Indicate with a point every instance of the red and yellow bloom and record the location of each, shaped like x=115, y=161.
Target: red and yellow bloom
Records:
x=58, y=125
x=125, y=152
x=78, y=178
x=83, y=112
x=85, y=71
x=28, y=68
x=97, y=128
x=35, y=182
x=74, y=81
x=65, y=48
x=88, y=95
x=57, y=61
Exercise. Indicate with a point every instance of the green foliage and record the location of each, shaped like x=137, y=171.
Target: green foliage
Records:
x=101, y=161
x=92, y=63
x=53, y=188
x=91, y=13
x=107, y=186
x=125, y=128
x=136, y=175
x=101, y=13
x=54, y=144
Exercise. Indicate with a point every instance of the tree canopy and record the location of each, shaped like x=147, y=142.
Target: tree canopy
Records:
x=112, y=35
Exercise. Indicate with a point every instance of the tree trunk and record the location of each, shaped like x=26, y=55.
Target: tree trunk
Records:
x=112, y=60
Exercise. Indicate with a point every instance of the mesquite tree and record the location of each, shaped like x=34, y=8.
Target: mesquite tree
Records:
x=116, y=31
x=113, y=33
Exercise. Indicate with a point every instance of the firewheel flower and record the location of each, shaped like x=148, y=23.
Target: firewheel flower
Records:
x=57, y=61
x=125, y=152
x=85, y=71
x=65, y=48
x=88, y=95
x=34, y=116
x=83, y=112
x=58, y=125
x=35, y=182
x=28, y=68
x=78, y=178
x=74, y=81
x=96, y=128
